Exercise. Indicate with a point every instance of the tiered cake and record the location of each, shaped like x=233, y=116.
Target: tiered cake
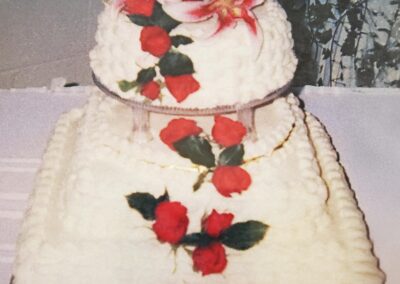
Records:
x=193, y=199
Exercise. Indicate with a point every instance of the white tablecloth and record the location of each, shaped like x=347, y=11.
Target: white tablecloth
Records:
x=364, y=125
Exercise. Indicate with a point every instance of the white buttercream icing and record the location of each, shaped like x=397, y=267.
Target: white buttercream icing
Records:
x=81, y=230
x=225, y=64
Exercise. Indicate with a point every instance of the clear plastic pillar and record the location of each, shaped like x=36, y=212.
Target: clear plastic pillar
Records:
x=247, y=117
x=141, y=125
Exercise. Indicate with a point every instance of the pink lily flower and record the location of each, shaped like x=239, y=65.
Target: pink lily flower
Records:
x=227, y=12
x=119, y=4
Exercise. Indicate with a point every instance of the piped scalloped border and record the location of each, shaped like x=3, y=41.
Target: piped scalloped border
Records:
x=351, y=221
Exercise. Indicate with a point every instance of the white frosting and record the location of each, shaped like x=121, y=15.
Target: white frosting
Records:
x=226, y=65
x=81, y=230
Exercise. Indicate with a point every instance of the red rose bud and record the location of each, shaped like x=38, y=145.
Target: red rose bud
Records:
x=215, y=223
x=177, y=129
x=181, y=86
x=230, y=179
x=210, y=259
x=228, y=132
x=150, y=90
x=171, y=222
x=155, y=40
x=139, y=7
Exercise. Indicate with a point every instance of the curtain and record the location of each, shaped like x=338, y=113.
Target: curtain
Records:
x=346, y=43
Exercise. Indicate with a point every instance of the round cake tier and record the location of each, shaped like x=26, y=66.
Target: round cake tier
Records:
x=232, y=67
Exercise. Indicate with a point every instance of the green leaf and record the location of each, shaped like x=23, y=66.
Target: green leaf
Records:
x=349, y=46
x=145, y=203
x=242, y=236
x=162, y=19
x=326, y=53
x=196, y=239
x=355, y=18
x=232, y=156
x=320, y=14
x=197, y=149
x=180, y=39
x=158, y=18
x=164, y=197
x=125, y=86
x=324, y=37
x=365, y=76
x=343, y=5
x=140, y=20
x=146, y=75
x=175, y=64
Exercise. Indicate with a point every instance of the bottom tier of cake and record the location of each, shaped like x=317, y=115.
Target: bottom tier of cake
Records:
x=80, y=228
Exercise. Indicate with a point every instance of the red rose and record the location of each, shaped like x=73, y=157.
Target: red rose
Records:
x=177, y=129
x=215, y=223
x=181, y=86
x=230, y=179
x=155, y=40
x=141, y=7
x=228, y=132
x=211, y=259
x=171, y=222
x=150, y=90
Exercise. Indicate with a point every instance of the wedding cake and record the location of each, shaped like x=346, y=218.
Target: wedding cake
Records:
x=151, y=197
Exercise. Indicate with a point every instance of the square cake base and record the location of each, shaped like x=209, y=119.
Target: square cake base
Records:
x=79, y=228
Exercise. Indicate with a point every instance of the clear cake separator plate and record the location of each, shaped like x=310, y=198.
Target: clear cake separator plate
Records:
x=141, y=111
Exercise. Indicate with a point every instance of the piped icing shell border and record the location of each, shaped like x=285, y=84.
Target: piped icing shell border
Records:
x=32, y=235
x=341, y=200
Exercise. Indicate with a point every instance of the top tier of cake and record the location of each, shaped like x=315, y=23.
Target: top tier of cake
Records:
x=220, y=52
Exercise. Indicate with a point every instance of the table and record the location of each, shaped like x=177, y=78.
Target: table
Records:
x=364, y=125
